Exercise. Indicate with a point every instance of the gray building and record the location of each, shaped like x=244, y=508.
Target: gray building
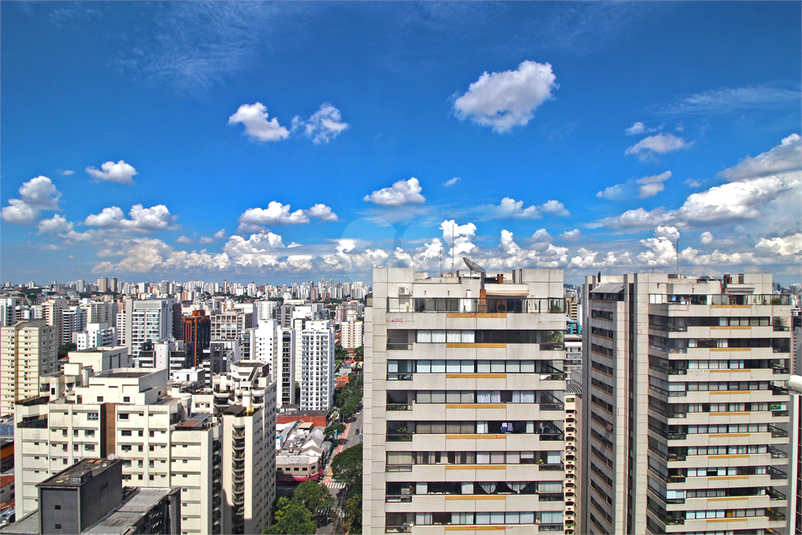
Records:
x=88, y=497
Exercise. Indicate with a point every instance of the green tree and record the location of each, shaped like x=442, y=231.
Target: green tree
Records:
x=314, y=496
x=280, y=507
x=347, y=466
x=353, y=513
x=338, y=427
x=296, y=520
x=64, y=349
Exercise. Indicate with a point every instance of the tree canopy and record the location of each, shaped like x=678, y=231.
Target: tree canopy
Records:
x=313, y=496
x=296, y=519
x=347, y=466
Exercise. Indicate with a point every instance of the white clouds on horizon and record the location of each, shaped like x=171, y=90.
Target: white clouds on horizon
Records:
x=400, y=193
x=507, y=99
x=142, y=219
x=509, y=208
x=786, y=156
x=119, y=172
x=276, y=213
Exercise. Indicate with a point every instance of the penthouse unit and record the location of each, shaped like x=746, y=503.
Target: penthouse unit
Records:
x=685, y=392
x=464, y=413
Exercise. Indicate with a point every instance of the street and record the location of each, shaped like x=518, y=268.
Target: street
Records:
x=335, y=487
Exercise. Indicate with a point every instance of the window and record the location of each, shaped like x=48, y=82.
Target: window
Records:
x=122, y=416
x=58, y=508
x=126, y=399
x=126, y=432
x=92, y=415
x=58, y=526
x=100, y=399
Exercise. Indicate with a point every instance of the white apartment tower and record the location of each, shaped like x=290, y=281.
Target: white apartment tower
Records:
x=685, y=404
x=146, y=321
x=464, y=414
x=8, y=311
x=28, y=350
x=317, y=366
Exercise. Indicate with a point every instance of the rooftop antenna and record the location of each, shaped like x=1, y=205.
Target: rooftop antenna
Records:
x=452, y=246
x=677, y=251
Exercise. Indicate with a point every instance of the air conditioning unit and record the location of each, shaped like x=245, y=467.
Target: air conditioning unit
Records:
x=404, y=290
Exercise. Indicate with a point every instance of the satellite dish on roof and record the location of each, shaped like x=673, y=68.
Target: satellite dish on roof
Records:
x=473, y=266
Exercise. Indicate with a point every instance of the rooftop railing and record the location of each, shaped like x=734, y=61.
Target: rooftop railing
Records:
x=474, y=305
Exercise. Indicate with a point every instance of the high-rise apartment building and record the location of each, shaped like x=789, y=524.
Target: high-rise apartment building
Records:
x=685, y=404
x=8, y=311
x=351, y=334
x=464, y=415
x=146, y=320
x=28, y=350
x=230, y=324
x=285, y=367
x=130, y=413
x=197, y=334
x=317, y=366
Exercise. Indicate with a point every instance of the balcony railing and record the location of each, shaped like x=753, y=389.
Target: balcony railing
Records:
x=472, y=305
x=776, y=432
x=398, y=498
x=777, y=453
x=399, y=407
x=398, y=346
x=777, y=474
x=776, y=494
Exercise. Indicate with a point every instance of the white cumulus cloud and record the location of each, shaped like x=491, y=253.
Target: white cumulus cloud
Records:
x=276, y=213
x=323, y=126
x=257, y=126
x=400, y=193
x=638, y=128
x=119, y=172
x=321, y=211
x=706, y=237
x=141, y=219
x=461, y=236
x=37, y=194
x=451, y=181
x=647, y=147
x=184, y=239
x=612, y=192
x=734, y=200
x=786, y=156
x=652, y=185
x=509, y=98
x=571, y=235
x=787, y=246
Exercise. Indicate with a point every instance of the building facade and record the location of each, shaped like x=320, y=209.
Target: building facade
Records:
x=685, y=397
x=464, y=412
x=317, y=366
x=28, y=350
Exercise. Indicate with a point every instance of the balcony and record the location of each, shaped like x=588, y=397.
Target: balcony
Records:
x=550, y=527
x=399, y=407
x=777, y=453
x=777, y=474
x=550, y=497
x=238, y=499
x=406, y=498
x=776, y=432
x=554, y=467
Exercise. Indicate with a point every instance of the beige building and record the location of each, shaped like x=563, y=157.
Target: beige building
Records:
x=351, y=334
x=464, y=412
x=685, y=398
x=28, y=350
x=129, y=413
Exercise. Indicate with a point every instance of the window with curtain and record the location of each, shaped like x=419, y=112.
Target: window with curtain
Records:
x=438, y=337
x=516, y=487
x=527, y=366
x=467, y=488
x=399, y=457
x=483, y=396
x=454, y=337
x=424, y=366
x=423, y=519
x=424, y=337
x=452, y=366
x=481, y=427
x=488, y=488
x=551, y=517
x=438, y=366
x=483, y=366
x=482, y=457
x=467, y=366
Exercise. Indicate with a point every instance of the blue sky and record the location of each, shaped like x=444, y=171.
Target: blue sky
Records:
x=276, y=142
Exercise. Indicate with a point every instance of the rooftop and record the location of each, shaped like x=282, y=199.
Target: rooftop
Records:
x=79, y=473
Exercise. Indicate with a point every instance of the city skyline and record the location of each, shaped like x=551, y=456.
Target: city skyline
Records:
x=287, y=142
